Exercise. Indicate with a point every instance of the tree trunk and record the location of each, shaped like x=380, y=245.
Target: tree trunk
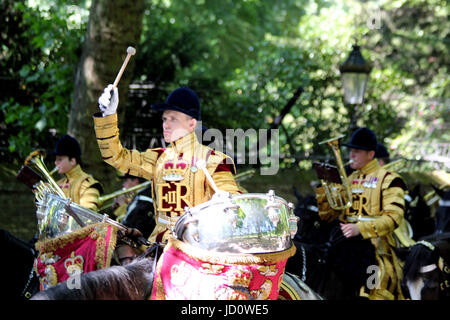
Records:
x=112, y=27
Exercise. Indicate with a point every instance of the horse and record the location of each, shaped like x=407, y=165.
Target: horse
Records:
x=19, y=278
x=332, y=265
x=426, y=274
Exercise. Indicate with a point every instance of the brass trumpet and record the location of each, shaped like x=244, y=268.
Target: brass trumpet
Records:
x=131, y=191
x=334, y=178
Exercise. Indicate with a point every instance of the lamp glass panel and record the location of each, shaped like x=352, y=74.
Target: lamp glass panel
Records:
x=354, y=86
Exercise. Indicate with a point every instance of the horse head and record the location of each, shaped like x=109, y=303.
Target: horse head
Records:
x=425, y=274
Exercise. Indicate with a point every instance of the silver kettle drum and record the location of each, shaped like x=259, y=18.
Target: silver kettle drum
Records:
x=243, y=223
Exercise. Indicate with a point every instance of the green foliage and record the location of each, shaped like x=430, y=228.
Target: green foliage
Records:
x=246, y=59
x=47, y=42
x=201, y=43
x=413, y=55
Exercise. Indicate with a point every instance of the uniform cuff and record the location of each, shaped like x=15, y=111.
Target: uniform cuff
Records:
x=106, y=127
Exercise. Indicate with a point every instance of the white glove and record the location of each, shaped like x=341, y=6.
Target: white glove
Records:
x=107, y=103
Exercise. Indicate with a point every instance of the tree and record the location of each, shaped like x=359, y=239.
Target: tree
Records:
x=112, y=27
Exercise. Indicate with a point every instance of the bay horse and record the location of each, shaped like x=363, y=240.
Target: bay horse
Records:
x=426, y=273
x=332, y=265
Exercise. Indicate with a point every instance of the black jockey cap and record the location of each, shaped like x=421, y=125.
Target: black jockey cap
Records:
x=184, y=100
x=364, y=139
x=68, y=146
x=381, y=151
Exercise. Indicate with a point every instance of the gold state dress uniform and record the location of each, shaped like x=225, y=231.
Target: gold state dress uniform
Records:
x=77, y=185
x=377, y=209
x=81, y=188
x=177, y=182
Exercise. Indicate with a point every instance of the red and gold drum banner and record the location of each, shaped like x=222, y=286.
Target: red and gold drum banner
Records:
x=81, y=251
x=185, y=272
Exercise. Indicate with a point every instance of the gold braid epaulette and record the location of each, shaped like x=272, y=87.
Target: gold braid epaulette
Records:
x=217, y=158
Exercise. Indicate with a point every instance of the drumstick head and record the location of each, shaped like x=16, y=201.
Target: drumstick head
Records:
x=131, y=50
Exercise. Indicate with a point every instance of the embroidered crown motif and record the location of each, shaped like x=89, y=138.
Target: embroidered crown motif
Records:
x=74, y=263
x=174, y=171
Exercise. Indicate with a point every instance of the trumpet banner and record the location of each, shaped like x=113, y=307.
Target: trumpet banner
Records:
x=185, y=272
x=81, y=251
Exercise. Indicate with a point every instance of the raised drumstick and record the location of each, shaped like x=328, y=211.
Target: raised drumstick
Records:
x=130, y=52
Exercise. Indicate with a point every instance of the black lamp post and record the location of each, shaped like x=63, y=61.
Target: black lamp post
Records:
x=355, y=74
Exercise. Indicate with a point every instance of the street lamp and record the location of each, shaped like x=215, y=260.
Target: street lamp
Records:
x=355, y=74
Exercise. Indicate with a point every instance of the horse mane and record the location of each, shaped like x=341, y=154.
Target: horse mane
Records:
x=131, y=282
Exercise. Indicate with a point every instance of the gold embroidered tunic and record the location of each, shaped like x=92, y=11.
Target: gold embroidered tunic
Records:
x=377, y=209
x=177, y=182
x=81, y=187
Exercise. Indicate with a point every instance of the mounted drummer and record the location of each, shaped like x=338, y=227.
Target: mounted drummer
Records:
x=77, y=185
x=177, y=180
x=377, y=208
